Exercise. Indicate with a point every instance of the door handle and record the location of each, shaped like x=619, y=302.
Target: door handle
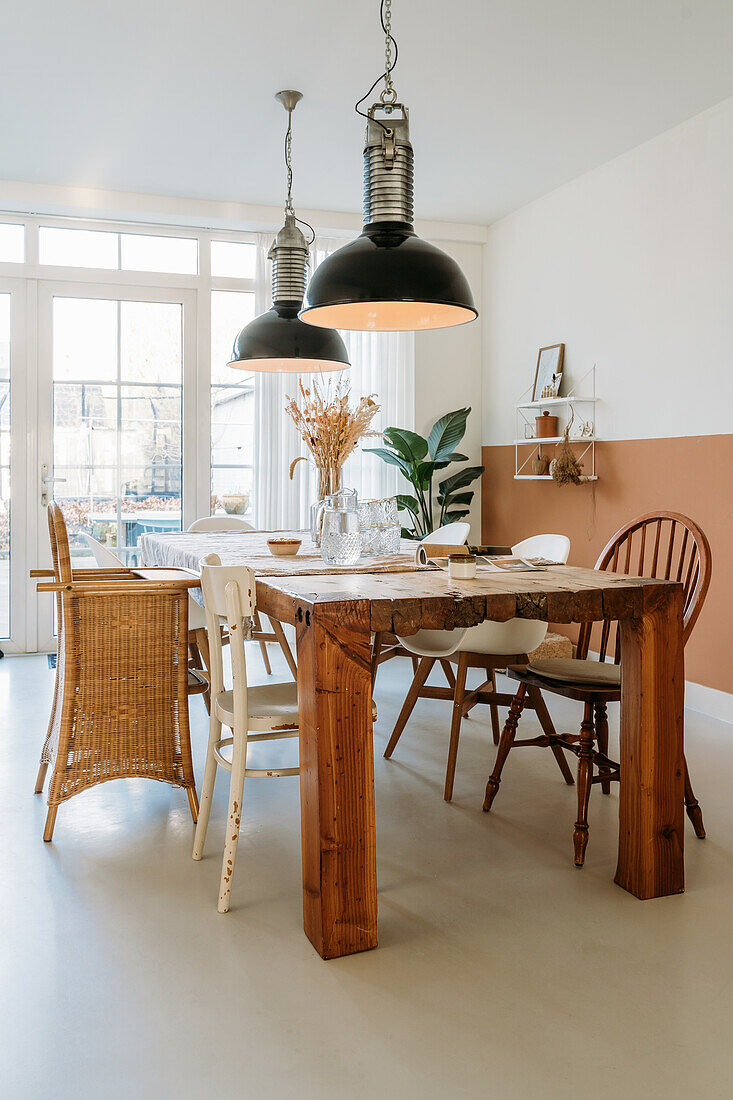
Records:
x=46, y=480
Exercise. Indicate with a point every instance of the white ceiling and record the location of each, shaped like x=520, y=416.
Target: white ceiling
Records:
x=508, y=98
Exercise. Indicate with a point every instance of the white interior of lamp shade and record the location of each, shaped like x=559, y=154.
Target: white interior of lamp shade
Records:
x=388, y=316
x=289, y=366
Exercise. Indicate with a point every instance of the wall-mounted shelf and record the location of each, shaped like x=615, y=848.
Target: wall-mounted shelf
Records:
x=574, y=400
x=548, y=477
x=533, y=444
x=537, y=441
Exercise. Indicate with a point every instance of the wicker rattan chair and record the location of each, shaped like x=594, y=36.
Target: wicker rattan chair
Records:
x=120, y=705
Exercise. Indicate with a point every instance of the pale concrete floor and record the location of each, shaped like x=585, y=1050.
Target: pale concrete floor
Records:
x=502, y=971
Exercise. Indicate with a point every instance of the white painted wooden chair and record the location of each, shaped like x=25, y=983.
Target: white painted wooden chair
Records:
x=488, y=645
x=276, y=632
x=263, y=713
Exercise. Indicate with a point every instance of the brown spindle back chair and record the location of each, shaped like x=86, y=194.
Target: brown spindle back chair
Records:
x=662, y=545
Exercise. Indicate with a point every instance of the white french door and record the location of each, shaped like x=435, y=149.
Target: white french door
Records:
x=116, y=398
x=16, y=435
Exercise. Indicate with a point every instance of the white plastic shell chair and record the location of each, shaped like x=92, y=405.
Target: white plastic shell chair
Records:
x=386, y=646
x=220, y=523
x=554, y=548
x=263, y=713
x=488, y=645
x=451, y=534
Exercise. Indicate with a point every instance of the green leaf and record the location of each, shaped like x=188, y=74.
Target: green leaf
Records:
x=406, y=533
x=459, y=480
x=392, y=459
x=455, y=513
x=461, y=498
x=408, y=503
x=447, y=432
x=423, y=474
x=410, y=445
x=454, y=457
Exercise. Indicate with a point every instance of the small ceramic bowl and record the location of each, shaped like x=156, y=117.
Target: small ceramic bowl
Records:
x=284, y=548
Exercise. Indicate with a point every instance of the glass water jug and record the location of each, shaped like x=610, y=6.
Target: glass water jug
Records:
x=340, y=538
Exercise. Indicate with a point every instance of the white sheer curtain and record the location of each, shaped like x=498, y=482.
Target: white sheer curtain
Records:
x=382, y=364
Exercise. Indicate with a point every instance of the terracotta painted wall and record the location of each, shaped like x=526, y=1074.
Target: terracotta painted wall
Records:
x=688, y=474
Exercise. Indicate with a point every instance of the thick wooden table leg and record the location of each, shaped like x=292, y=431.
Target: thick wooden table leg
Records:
x=337, y=777
x=651, y=801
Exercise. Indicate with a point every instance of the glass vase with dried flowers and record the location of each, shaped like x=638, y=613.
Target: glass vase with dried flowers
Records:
x=330, y=428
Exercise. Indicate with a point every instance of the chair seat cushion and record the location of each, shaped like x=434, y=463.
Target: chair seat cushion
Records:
x=572, y=671
x=553, y=646
x=271, y=706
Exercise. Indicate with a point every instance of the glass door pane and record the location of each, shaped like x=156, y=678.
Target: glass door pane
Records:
x=232, y=407
x=4, y=465
x=117, y=385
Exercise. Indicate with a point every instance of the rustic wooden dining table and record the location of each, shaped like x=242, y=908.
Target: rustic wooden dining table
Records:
x=336, y=613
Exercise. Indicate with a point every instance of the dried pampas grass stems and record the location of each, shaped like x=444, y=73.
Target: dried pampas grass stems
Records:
x=566, y=468
x=330, y=427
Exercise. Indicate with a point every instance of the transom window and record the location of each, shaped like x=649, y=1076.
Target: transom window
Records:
x=117, y=251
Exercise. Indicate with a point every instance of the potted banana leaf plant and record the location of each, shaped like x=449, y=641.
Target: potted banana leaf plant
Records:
x=418, y=459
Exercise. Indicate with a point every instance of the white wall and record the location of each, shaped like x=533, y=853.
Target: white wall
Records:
x=631, y=266
x=448, y=372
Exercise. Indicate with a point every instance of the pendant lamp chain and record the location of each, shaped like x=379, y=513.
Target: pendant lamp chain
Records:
x=389, y=94
x=289, y=208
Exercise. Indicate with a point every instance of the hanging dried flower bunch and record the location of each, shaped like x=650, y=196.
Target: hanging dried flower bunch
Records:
x=565, y=468
x=330, y=427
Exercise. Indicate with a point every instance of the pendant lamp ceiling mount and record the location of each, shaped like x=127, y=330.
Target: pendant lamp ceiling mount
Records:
x=388, y=279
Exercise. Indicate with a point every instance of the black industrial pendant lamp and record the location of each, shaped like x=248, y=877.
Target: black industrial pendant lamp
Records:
x=278, y=340
x=388, y=279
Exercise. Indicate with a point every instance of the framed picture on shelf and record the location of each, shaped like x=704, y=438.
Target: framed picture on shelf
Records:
x=548, y=375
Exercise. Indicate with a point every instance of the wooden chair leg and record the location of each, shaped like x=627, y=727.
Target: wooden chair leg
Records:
x=495, y=725
x=537, y=700
x=263, y=647
x=415, y=663
x=207, y=789
x=601, y=724
x=236, y=792
x=585, y=779
x=193, y=803
x=455, y=729
x=41, y=777
x=277, y=630
x=201, y=641
x=376, y=650
x=448, y=671
x=507, y=740
x=693, y=807
x=421, y=675
x=50, y=822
